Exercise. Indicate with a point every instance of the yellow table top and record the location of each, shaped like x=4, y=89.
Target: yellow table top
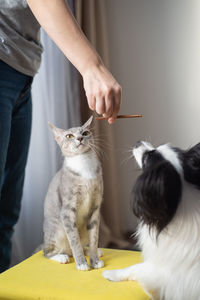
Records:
x=40, y=278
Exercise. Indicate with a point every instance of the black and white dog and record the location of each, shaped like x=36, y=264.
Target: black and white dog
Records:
x=167, y=202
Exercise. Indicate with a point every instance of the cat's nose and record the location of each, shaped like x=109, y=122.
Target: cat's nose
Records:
x=80, y=138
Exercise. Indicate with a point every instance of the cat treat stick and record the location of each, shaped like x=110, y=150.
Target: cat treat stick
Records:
x=120, y=117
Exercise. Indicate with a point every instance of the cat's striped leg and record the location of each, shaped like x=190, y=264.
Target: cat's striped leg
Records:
x=69, y=222
x=93, y=229
x=99, y=252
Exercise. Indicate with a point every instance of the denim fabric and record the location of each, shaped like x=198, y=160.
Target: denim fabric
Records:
x=15, y=129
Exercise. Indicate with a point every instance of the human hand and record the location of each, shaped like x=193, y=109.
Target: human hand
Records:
x=102, y=91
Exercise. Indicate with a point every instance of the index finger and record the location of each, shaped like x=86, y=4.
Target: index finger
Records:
x=116, y=107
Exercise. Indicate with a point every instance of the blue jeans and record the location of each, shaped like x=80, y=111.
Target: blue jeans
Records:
x=15, y=130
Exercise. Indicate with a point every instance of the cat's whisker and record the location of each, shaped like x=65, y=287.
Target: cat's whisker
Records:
x=98, y=151
x=94, y=147
x=104, y=147
x=100, y=135
x=129, y=150
x=101, y=146
x=125, y=160
x=102, y=141
x=124, y=149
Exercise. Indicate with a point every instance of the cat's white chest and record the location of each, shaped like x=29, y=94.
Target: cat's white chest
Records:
x=86, y=165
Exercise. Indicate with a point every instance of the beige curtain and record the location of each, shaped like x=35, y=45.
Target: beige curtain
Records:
x=91, y=16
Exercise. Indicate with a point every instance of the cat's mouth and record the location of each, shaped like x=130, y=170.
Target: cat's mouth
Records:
x=80, y=144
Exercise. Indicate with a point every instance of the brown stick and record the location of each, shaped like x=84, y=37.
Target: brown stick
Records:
x=120, y=117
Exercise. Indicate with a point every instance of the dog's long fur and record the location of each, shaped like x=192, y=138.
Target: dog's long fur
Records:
x=167, y=203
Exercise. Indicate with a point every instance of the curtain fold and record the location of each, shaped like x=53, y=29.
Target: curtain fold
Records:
x=91, y=16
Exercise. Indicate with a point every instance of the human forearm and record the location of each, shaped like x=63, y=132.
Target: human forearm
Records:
x=56, y=19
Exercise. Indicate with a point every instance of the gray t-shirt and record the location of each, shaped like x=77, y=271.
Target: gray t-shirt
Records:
x=19, y=37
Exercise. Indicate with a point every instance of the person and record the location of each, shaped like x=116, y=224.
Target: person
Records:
x=20, y=55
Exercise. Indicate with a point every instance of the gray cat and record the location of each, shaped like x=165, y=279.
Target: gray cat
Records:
x=73, y=200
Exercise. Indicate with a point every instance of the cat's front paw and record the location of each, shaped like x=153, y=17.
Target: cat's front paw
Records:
x=112, y=275
x=98, y=264
x=83, y=267
x=61, y=258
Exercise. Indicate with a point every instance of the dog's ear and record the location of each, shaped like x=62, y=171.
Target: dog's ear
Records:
x=191, y=165
x=156, y=195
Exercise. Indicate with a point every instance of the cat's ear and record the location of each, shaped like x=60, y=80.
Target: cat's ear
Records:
x=88, y=123
x=58, y=133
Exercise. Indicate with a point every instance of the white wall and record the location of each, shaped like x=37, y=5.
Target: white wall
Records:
x=155, y=55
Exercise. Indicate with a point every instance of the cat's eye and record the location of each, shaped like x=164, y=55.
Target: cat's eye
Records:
x=86, y=133
x=70, y=136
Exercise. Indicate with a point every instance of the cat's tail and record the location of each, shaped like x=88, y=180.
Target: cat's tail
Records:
x=39, y=248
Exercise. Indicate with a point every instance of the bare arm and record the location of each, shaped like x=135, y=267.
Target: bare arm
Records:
x=102, y=91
